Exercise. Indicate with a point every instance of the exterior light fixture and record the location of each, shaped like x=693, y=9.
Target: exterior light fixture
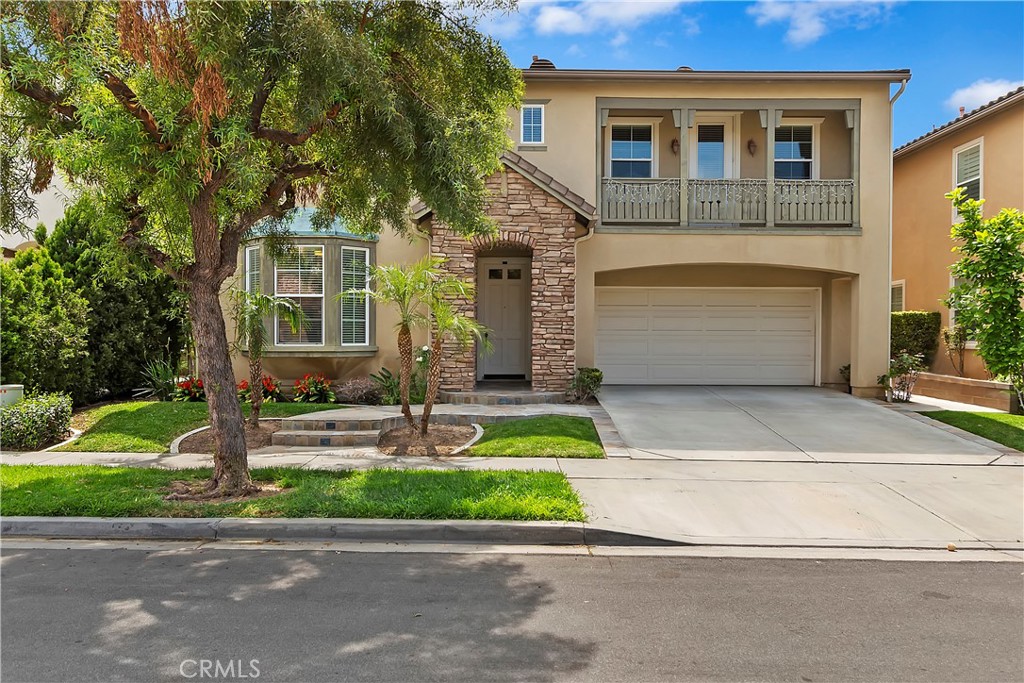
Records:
x=751, y=146
x=675, y=146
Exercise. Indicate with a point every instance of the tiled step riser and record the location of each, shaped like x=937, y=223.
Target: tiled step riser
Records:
x=330, y=425
x=524, y=399
x=338, y=440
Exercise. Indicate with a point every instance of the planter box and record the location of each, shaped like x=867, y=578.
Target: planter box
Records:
x=11, y=393
x=978, y=392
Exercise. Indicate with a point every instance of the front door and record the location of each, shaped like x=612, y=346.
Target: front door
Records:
x=503, y=289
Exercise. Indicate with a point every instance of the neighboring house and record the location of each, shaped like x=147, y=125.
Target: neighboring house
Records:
x=981, y=151
x=50, y=205
x=668, y=227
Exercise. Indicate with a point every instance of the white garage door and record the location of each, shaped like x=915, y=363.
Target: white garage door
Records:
x=676, y=335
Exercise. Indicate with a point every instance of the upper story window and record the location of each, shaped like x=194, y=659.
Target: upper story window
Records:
x=711, y=150
x=299, y=276
x=355, y=309
x=896, y=295
x=532, y=127
x=632, y=151
x=252, y=270
x=794, y=152
x=967, y=168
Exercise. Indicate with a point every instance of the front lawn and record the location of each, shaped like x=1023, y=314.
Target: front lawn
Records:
x=95, y=491
x=545, y=436
x=999, y=427
x=150, y=426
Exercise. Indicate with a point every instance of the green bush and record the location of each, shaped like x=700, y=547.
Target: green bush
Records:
x=916, y=333
x=35, y=422
x=44, y=324
x=585, y=384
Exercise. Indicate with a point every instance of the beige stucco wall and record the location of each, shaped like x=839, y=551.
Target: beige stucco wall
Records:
x=922, y=215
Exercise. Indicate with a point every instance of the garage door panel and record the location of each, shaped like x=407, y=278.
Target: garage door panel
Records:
x=706, y=336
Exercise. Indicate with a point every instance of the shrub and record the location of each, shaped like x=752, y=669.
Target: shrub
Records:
x=388, y=384
x=314, y=389
x=955, y=340
x=35, y=422
x=585, y=384
x=361, y=391
x=902, y=375
x=159, y=380
x=917, y=333
x=190, y=389
x=271, y=390
x=43, y=337
x=844, y=372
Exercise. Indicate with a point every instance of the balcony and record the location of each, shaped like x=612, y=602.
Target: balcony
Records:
x=752, y=202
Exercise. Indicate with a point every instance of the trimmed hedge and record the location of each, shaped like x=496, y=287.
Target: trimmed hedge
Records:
x=916, y=332
x=35, y=422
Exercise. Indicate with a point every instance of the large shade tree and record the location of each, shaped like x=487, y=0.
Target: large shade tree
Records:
x=196, y=121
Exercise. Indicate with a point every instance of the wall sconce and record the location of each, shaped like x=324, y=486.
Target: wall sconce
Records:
x=675, y=146
x=751, y=146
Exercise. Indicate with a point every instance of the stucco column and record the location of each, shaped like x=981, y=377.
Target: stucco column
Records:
x=869, y=352
x=585, y=330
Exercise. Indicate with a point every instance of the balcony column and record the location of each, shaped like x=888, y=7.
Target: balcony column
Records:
x=853, y=123
x=682, y=121
x=769, y=120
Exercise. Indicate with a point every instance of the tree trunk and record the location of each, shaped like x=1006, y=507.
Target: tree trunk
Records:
x=255, y=389
x=231, y=466
x=405, y=372
x=433, y=382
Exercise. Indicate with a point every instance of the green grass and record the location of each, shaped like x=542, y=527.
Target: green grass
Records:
x=1000, y=427
x=546, y=436
x=96, y=491
x=150, y=426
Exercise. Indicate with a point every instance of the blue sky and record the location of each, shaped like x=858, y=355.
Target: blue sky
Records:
x=960, y=53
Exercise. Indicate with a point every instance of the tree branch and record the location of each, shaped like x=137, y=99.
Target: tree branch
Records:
x=128, y=99
x=35, y=90
x=259, y=100
x=291, y=139
x=132, y=238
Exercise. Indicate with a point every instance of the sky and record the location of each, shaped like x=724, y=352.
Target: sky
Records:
x=959, y=53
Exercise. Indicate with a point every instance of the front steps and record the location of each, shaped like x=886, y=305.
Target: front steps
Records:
x=328, y=433
x=497, y=397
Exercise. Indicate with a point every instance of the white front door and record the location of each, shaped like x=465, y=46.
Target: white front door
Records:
x=503, y=289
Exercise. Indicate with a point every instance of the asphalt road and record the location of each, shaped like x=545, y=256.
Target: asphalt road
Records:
x=110, y=615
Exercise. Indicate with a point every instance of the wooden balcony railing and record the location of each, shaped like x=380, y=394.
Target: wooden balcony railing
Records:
x=743, y=201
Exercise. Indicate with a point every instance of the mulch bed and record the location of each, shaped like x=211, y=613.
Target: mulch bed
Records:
x=441, y=440
x=254, y=438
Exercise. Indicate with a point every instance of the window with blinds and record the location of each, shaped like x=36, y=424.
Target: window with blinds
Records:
x=252, y=270
x=632, y=153
x=896, y=297
x=299, y=276
x=711, y=151
x=533, y=124
x=968, y=170
x=355, y=308
x=794, y=152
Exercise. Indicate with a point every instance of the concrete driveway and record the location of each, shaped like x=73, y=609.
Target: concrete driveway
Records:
x=796, y=466
x=798, y=424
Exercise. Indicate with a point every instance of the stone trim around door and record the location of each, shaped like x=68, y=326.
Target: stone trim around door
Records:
x=531, y=221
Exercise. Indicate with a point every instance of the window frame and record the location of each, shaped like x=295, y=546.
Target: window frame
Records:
x=902, y=285
x=655, y=124
x=957, y=151
x=247, y=283
x=731, y=122
x=321, y=296
x=815, y=123
x=366, y=299
x=543, y=125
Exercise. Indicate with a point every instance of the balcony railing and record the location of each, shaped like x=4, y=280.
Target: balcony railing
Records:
x=745, y=201
x=640, y=200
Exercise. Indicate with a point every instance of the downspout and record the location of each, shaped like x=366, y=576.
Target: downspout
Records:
x=892, y=102
x=591, y=231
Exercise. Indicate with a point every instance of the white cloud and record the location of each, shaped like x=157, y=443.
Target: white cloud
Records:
x=809, y=20
x=620, y=39
x=575, y=50
x=981, y=92
x=590, y=16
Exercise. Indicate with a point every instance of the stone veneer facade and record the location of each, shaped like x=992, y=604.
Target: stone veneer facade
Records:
x=528, y=218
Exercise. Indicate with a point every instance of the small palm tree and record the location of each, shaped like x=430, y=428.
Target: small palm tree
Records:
x=249, y=311
x=448, y=325
x=412, y=290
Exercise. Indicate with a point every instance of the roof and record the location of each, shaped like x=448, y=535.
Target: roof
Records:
x=301, y=225
x=999, y=104
x=687, y=74
x=584, y=210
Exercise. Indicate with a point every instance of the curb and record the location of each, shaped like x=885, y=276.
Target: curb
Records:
x=309, y=529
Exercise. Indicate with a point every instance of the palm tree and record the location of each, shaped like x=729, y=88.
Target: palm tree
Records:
x=249, y=311
x=448, y=325
x=413, y=291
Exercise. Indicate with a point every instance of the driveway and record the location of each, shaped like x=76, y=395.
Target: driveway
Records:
x=796, y=466
x=798, y=424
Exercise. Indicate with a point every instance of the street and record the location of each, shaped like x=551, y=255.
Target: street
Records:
x=116, y=614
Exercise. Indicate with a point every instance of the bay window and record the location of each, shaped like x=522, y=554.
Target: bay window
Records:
x=299, y=276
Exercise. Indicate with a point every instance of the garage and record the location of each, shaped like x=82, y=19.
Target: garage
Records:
x=719, y=335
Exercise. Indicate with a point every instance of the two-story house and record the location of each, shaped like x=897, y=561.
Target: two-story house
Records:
x=667, y=227
x=981, y=151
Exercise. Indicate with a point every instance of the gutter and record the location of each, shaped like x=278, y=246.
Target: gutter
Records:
x=894, y=76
